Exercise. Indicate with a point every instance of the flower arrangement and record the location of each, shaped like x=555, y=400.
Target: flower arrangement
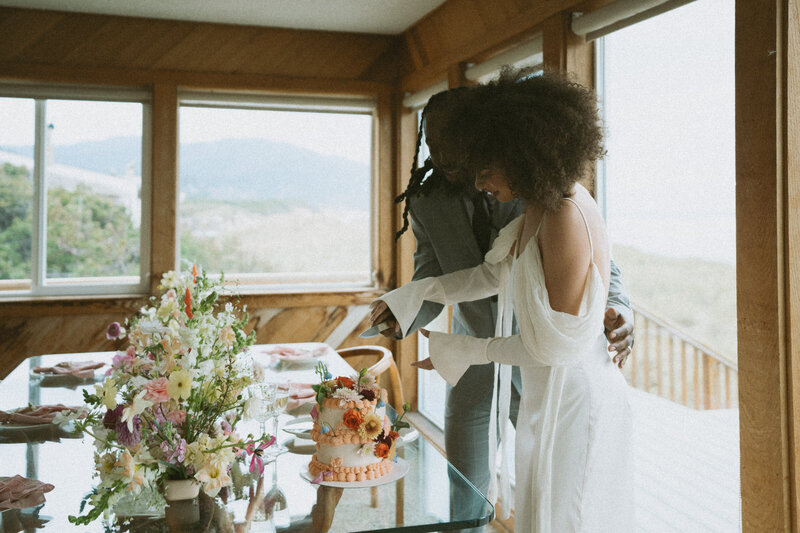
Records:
x=382, y=439
x=168, y=406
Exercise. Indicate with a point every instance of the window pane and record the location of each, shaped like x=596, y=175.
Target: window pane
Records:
x=16, y=191
x=670, y=198
x=281, y=196
x=93, y=156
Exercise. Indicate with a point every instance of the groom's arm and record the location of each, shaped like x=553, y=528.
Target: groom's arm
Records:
x=617, y=298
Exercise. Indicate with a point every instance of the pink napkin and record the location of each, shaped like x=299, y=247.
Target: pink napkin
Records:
x=36, y=414
x=20, y=492
x=300, y=393
x=289, y=352
x=83, y=369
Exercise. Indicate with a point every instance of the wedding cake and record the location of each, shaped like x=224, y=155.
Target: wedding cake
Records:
x=354, y=438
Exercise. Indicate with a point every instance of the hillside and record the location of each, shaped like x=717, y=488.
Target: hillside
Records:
x=695, y=295
x=235, y=169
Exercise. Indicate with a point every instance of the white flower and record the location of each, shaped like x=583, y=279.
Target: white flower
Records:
x=149, y=327
x=172, y=280
x=367, y=449
x=258, y=371
x=368, y=381
x=138, y=405
x=63, y=418
x=346, y=395
x=252, y=407
x=100, y=437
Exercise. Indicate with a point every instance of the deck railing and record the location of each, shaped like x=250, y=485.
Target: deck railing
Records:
x=668, y=362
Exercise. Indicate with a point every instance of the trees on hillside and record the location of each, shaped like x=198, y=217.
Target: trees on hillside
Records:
x=89, y=234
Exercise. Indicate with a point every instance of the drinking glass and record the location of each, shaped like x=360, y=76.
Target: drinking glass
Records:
x=264, y=393
x=280, y=399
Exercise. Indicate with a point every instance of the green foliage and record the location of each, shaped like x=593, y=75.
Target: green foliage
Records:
x=89, y=234
x=16, y=221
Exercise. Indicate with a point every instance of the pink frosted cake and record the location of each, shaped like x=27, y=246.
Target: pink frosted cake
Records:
x=354, y=438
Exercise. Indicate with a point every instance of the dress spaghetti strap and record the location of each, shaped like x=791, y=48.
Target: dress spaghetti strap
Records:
x=585, y=223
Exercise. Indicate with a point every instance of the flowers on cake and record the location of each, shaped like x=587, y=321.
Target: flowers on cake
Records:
x=352, y=418
x=371, y=427
x=362, y=395
x=169, y=405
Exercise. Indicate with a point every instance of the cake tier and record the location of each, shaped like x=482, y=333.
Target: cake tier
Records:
x=339, y=472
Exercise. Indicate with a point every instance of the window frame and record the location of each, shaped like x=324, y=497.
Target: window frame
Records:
x=40, y=286
x=265, y=283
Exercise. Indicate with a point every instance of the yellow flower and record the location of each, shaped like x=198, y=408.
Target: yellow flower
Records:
x=108, y=393
x=371, y=427
x=213, y=478
x=179, y=385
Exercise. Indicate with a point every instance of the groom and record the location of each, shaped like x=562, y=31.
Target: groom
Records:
x=454, y=225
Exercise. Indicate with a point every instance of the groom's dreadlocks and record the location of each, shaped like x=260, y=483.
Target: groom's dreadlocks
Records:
x=420, y=182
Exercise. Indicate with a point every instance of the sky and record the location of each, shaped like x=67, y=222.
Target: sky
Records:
x=344, y=135
x=670, y=132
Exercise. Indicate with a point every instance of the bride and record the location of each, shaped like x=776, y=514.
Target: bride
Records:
x=533, y=138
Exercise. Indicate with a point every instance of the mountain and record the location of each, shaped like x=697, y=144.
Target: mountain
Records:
x=235, y=169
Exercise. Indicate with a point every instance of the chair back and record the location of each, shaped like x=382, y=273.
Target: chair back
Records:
x=380, y=363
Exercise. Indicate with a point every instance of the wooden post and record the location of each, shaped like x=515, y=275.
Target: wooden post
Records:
x=768, y=261
x=671, y=352
x=684, y=381
x=646, y=358
x=696, y=378
x=659, y=373
x=164, y=187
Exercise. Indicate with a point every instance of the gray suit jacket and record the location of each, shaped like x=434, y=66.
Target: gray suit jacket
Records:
x=445, y=243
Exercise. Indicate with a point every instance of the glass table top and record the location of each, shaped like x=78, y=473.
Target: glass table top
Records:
x=418, y=502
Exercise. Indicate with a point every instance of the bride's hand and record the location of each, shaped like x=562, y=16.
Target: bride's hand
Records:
x=425, y=364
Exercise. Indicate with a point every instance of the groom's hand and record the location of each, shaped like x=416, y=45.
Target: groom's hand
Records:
x=381, y=313
x=619, y=334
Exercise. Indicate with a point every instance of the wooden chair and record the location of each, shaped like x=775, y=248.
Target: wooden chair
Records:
x=380, y=363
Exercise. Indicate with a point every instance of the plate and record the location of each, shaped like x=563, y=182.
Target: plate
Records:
x=400, y=469
x=289, y=354
x=299, y=446
x=407, y=435
x=300, y=427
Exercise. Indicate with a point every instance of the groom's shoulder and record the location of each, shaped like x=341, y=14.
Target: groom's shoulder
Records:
x=436, y=200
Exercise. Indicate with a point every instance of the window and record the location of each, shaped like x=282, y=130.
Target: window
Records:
x=668, y=185
x=73, y=172
x=277, y=191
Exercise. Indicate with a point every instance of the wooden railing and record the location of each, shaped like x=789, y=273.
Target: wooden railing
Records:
x=668, y=362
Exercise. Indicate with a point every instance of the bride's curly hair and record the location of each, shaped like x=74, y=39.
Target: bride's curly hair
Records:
x=543, y=131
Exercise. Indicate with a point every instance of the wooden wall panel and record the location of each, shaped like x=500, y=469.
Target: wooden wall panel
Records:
x=791, y=64
x=35, y=37
x=36, y=329
x=765, y=355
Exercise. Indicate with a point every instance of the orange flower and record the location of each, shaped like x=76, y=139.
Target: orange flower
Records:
x=381, y=450
x=187, y=300
x=194, y=275
x=352, y=418
x=345, y=382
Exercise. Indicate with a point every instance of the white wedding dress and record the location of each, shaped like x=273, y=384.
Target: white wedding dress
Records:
x=573, y=468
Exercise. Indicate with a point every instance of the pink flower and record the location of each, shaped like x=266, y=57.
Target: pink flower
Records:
x=314, y=412
x=113, y=331
x=177, y=416
x=157, y=390
x=124, y=360
x=256, y=462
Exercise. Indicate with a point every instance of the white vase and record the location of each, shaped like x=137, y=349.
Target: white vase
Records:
x=181, y=489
